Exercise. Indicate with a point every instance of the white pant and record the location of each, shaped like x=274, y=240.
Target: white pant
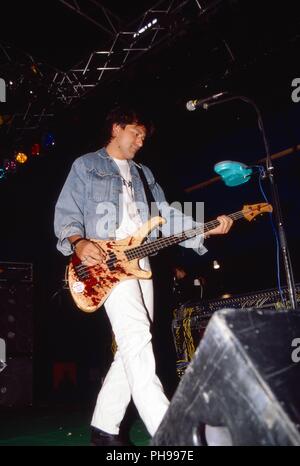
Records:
x=129, y=308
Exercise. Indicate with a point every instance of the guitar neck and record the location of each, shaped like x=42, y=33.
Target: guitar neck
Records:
x=150, y=248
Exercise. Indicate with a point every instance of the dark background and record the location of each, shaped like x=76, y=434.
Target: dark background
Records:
x=249, y=48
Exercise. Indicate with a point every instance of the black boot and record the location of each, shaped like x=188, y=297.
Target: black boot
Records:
x=99, y=438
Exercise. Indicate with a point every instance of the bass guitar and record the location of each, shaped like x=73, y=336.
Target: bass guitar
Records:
x=90, y=286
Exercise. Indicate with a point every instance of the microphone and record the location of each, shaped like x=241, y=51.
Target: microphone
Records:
x=191, y=105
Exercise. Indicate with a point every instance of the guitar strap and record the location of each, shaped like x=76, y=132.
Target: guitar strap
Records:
x=149, y=195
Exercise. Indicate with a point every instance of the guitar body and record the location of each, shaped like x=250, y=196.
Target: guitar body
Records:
x=90, y=286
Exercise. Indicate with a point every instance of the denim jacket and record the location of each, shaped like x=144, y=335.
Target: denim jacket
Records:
x=89, y=206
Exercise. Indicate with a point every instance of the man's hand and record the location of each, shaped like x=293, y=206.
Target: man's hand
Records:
x=89, y=253
x=223, y=228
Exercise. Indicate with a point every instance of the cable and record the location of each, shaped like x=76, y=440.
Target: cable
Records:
x=261, y=176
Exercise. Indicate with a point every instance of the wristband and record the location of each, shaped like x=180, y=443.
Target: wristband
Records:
x=73, y=245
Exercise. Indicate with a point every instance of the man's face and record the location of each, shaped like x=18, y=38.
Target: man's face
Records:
x=128, y=140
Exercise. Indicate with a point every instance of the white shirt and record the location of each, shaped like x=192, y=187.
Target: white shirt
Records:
x=131, y=220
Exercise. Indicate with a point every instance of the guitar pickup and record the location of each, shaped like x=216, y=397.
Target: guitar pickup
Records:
x=111, y=262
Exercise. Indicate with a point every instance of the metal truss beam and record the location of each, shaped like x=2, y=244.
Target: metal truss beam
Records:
x=27, y=84
x=143, y=34
x=102, y=16
x=49, y=88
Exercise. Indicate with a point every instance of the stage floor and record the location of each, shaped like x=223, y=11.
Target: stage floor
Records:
x=48, y=426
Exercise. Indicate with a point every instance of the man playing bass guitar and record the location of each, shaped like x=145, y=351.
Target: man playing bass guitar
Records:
x=89, y=207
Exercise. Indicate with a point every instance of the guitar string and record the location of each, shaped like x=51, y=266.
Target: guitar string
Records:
x=165, y=242
x=156, y=245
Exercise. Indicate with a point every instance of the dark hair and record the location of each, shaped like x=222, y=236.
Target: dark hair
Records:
x=126, y=116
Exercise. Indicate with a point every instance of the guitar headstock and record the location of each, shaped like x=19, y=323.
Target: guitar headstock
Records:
x=251, y=211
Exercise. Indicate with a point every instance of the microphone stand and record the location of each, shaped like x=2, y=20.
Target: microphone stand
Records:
x=275, y=197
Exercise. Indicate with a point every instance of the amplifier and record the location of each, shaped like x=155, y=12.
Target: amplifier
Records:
x=191, y=318
x=16, y=382
x=16, y=317
x=13, y=272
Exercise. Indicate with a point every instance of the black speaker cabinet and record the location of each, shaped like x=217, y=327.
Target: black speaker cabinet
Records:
x=16, y=317
x=245, y=376
x=16, y=383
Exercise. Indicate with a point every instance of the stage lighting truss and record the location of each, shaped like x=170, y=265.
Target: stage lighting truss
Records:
x=29, y=100
x=45, y=89
x=124, y=46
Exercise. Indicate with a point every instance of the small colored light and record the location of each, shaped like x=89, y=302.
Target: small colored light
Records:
x=35, y=149
x=12, y=165
x=49, y=141
x=216, y=265
x=2, y=173
x=6, y=165
x=9, y=165
x=34, y=69
x=5, y=119
x=21, y=157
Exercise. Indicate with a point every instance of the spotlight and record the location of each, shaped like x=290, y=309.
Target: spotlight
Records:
x=48, y=141
x=6, y=165
x=21, y=157
x=145, y=28
x=12, y=165
x=5, y=119
x=226, y=296
x=2, y=173
x=216, y=265
x=34, y=69
x=36, y=149
x=9, y=165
